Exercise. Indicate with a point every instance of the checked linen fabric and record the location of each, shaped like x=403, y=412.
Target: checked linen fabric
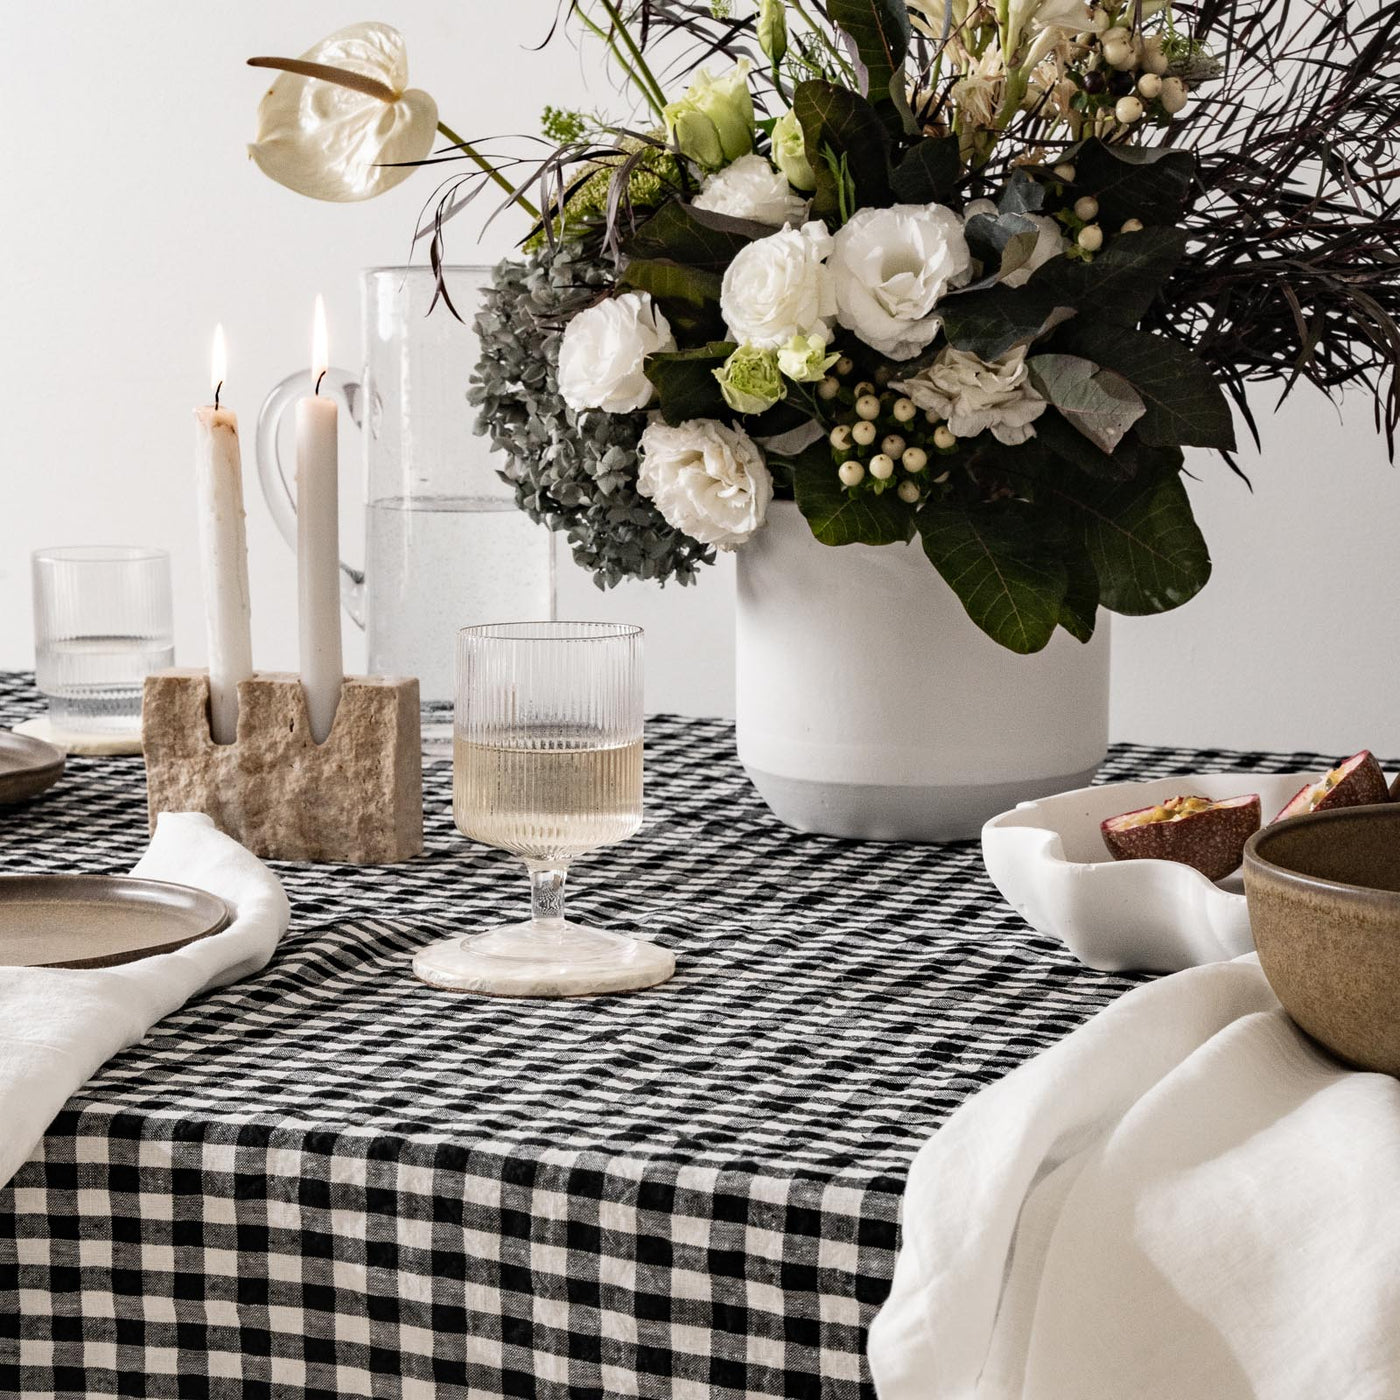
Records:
x=330, y=1180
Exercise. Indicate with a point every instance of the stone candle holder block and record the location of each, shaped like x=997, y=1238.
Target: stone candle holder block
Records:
x=357, y=798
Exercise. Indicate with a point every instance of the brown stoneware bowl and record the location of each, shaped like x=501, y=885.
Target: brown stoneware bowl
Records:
x=1324, y=904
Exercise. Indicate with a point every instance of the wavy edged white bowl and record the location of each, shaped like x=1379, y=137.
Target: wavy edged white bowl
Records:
x=1049, y=861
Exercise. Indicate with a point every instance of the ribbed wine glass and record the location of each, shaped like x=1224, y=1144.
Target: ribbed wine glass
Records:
x=547, y=764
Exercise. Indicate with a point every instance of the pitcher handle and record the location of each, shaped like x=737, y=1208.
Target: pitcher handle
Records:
x=272, y=472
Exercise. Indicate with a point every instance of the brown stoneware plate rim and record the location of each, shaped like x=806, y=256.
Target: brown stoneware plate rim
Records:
x=195, y=905
x=1254, y=861
x=37, y=776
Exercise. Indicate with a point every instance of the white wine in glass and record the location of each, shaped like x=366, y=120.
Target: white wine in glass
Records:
x=547, y=764
x=545, y=802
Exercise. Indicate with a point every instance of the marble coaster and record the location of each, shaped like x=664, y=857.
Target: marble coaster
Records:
x=503, y=964
x=92, y=745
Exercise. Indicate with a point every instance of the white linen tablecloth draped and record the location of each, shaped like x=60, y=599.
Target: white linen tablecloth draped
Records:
x=58, y=1025
x=1183, y=1199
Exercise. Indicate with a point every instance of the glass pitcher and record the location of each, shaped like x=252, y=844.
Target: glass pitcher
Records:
x=445, y=546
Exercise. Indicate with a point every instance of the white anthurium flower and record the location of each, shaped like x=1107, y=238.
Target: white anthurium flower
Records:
x=337, y=126
x=973, y=395
x=891, y=268
x=750, y=188
x=778, y=287
x=602, y=354
x=707, y=479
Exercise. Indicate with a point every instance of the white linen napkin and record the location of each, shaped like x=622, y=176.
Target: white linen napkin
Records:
x=1183, y=1199
x=58, y=1025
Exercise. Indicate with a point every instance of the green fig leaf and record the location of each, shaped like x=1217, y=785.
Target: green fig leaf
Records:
x=843, y=123
x=1142, y=537
x=839, y=517
x=995, y=558
x=991, y=322
x=685, y=382
x=1185, y=407
x=1151, y=183
x=929, y=172
x=1122, y=282
x=699, y=238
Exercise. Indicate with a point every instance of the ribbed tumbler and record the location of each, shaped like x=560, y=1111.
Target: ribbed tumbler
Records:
x=102, y=623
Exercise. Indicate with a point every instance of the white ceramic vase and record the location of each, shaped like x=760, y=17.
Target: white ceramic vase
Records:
x=869, y=705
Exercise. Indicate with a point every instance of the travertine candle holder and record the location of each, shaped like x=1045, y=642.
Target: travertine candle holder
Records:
x=357, y=798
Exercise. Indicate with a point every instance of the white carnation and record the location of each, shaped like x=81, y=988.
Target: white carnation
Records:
x=778, y=287
x=707, y=479
x=751, y=189
x=603, y=353
x=973, y=394
x=891, y=268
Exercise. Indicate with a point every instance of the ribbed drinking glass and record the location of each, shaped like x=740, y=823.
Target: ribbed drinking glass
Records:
x=102, y=623
x=547, y=764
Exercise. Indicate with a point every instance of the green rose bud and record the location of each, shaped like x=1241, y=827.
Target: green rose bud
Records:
x=713, y=122
x=804, y=359
x=790, y=152
x=750, y=381
x=772, y=29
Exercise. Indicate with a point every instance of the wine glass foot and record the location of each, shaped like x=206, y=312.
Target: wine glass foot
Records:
x=564, y=960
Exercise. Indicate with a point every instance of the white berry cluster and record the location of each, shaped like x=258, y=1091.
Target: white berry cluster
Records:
x=881, y=441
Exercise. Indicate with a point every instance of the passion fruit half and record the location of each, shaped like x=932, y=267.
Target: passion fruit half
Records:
x=1355, y=782
x=1208, y=836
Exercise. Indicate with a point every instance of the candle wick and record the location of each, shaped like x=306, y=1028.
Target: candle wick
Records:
x=319, y=378
x=218, y=389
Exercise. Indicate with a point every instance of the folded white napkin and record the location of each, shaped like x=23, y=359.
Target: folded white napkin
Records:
x=1183, y=1200
x=58, y=1025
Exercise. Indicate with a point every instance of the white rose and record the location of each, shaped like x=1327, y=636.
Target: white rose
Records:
x=778, y=287
x=1049, y=243
x=891, y=268
x=751, y=189
x=604, y=350
x=708, y=480
x=973, y=394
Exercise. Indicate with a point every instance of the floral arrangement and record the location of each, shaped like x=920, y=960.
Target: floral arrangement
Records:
x=967, y=272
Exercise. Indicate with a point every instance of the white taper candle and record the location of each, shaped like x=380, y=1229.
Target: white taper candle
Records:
x=218, y=470
x=318, y=545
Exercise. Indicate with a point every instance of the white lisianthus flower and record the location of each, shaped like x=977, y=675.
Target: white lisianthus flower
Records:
x=973, y=394
x=708, y=480
x=891, y=268
x=1050, y=242
x=603, y=353
x=780, y=286
x=804, y=359
x=751, y=189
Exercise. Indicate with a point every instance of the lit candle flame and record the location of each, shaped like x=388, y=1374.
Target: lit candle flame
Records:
x=320, y=354
x=218, y=359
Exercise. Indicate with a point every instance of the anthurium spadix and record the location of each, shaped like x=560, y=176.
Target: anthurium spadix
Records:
x=339, y=122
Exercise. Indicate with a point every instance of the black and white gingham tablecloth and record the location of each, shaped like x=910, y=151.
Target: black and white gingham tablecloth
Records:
x=330, y=1180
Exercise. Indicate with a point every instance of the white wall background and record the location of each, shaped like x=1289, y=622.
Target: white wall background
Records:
x=133, y=222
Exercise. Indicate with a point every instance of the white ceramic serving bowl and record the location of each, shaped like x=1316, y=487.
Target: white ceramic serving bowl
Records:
x=1049, y=861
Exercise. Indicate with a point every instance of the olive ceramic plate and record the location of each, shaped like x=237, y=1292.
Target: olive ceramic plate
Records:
x=27, y=766
x=99, y=920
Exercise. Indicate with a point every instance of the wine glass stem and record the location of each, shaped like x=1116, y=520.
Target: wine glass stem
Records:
x=547, y=896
